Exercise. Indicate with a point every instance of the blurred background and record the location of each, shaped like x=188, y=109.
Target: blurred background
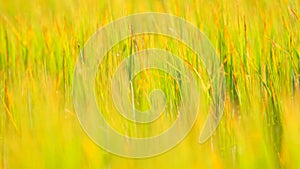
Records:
x=258, y=43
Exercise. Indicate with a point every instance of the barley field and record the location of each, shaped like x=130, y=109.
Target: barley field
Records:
x=257, y=42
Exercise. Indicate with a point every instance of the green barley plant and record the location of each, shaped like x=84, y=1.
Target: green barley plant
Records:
x=258, y=44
